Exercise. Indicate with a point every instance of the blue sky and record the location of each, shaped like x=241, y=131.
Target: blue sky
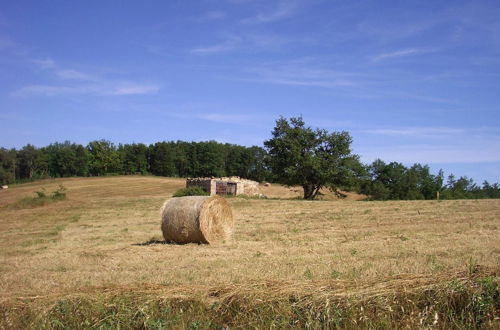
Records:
x=412, y=81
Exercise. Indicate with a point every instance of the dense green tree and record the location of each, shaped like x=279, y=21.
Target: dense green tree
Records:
x=133, y=158
x=490, y=190
x=388, y=181
x=183, y=158
x=396, y=181
x=104, y=158
x=162, y=159
x=299, y=155
x=66, y=159
x=237, y=160
x=461, y=188
x=8, y=160
x=32, y=162
x=258, y=169
x=209, y=159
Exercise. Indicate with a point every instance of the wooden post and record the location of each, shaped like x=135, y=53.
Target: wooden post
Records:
x=437, y=195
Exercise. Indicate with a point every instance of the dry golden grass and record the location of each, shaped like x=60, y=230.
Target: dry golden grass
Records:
x=279, y=191
x=106, y=233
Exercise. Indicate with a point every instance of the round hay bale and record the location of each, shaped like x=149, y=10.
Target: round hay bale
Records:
x=196, y=219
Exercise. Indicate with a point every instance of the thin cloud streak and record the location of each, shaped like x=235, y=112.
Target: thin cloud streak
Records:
x=82, y=83
x=213, y=15
x=293, y=74
x=245, y=41
x=415, y=131
x=225, y=118
x=400, y=53
x=283, y=10
x=75, y=75
x=97, y=89
x=218, y=117
x=430, y=153
x=44, y=64
x=224, y=47
x=136, y=90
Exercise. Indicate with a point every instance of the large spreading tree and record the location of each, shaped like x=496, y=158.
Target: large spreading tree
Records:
x=311, y=158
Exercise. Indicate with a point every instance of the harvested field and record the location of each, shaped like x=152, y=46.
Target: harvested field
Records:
x=104, y=241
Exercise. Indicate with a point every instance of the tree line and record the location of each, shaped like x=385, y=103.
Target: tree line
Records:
x=102, y=157
x=394, y=181
x=294, y=155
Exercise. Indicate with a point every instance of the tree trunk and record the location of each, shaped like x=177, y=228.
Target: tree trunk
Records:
x=311, y=190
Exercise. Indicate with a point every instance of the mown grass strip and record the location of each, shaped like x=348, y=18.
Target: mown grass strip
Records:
x=452, y=305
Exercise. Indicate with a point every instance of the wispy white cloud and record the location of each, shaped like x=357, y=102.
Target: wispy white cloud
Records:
x=415, y=131
x=283, y=9
x=247, y=41
x=100, y=88
x=219, y=113
x=213, y=15
x=297, y=73
x=44, y=64
x=432, y=144
x=217, y=117
x=330, y=124
x=51, y=90
x=136, y=90
x=229, y=44
x=401, y=53
x=225, y=118
x=214, y=49
x=72, y=82
x=75, y=75
x=435, y=153
x=303, y=82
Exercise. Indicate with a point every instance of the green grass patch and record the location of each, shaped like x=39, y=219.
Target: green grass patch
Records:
x=191, y=191
x=41, y=198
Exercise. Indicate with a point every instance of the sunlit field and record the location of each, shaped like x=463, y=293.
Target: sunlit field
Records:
x=103, y=243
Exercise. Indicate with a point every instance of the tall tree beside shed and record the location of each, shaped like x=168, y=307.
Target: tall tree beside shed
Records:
x=313, y=159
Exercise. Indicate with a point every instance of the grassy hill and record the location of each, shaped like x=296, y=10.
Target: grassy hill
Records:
x=96, y=259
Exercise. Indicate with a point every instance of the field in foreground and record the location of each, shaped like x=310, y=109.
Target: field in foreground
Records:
x=96, y=259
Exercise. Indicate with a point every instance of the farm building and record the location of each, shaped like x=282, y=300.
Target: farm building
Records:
x=233, y=185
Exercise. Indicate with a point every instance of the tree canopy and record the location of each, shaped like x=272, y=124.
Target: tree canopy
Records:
x=311, y=158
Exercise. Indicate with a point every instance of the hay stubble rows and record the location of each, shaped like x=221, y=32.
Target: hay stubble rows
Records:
x=107, y=235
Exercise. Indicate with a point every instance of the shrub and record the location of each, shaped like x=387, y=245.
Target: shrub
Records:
x=41, y=193
x=59, y=193
x=191, y=191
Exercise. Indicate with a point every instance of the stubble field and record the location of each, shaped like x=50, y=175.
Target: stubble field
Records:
x=103, y=243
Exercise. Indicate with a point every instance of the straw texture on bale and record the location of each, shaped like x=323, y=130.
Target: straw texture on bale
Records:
x=196, y=219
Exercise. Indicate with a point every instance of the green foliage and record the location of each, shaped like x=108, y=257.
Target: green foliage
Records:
x=8, y=161
x=59, y=193
x=41, y=198
x=133, y=158
x=182, y=159
x=32, y=162
x=299, y=155
x=66, y=159
x=191, y=191
x=41, y=193
x=104, y=158
x=394, y=181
